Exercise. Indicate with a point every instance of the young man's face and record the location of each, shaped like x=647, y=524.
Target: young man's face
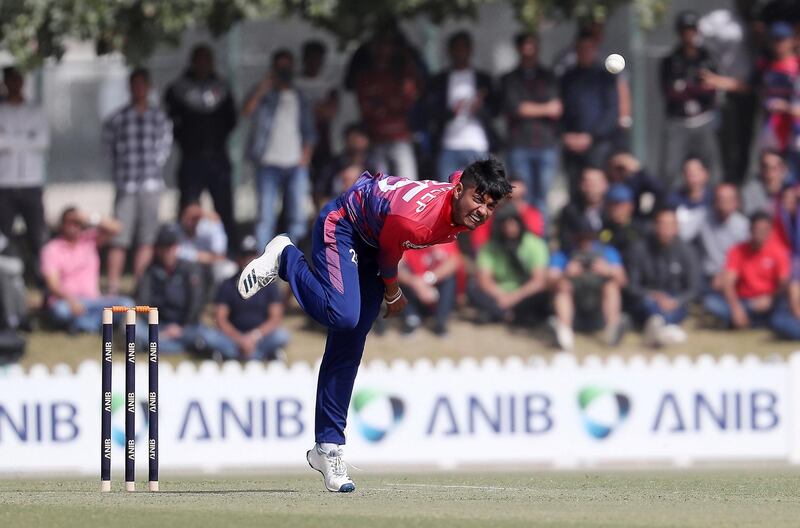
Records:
x=140, y=88
x=760, y=232
x=666, y=228
x=470, y=208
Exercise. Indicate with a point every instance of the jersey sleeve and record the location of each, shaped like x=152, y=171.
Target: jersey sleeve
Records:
x=396, y=231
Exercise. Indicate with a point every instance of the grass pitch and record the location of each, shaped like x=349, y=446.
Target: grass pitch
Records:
x=591, y=498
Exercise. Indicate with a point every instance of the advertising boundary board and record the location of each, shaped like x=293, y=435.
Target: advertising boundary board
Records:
x=562, y=412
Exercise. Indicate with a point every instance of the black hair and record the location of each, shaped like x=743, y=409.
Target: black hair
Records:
x=357, y=128
x=459, y=35
x=522, y=36
x=584, y=34
x=10, y=72
x=314, y=46
x=68, y=210
x=759, y=216
x=139, y=72
x=692, y=157
x=281, y=53
x=198, y=49
x=488, y=176
x=664, y=209
x=770, y=152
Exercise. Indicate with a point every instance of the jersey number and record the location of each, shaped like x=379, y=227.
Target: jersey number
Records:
x=353, y=256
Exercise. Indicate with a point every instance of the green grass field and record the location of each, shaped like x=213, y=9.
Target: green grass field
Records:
x=732, y=497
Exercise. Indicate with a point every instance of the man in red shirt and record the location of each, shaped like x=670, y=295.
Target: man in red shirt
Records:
x=755, y=275
x=357, y=244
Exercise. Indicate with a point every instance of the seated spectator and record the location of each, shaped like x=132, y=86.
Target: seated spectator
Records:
x=587, y=281
x=530, y=215
x=175, y=287
x=13, y=297
x=724, y=228
x=693, y=199
x=202, y=239
x=754, y=275
x=663, y=280
x=620, y=227
x=511, y=274
x=648, y=193
x=785, y=320
x=428, y=278
x=355, y=158
x=763, y=193
x=586, y=207
x=249, y=329
x=786, y=222
x=71, y=270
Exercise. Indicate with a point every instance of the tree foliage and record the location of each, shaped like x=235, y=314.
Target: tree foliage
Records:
x=33, y=30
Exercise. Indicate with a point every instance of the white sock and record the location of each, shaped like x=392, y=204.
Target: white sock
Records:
x=326, y=447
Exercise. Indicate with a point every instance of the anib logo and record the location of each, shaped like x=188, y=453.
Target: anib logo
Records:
x=118, y=418
x=376, y=413
x=602, y=410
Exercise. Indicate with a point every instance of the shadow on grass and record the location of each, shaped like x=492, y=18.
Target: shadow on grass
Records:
x=224, y=492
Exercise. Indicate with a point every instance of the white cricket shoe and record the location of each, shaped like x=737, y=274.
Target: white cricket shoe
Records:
x=263, y=270
x=332, y=467
x=564, y=335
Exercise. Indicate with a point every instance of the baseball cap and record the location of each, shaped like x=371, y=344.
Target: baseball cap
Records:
x=167, y=235
x=781, y=31
x=248, y=246
x=619, y=193
x=686, y=20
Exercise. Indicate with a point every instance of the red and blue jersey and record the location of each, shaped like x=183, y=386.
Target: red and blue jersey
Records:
x=393, y=214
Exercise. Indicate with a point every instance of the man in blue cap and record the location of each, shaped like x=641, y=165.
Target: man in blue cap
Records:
x=620, y=227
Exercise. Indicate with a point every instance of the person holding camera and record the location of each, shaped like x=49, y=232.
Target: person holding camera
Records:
x=586, y=279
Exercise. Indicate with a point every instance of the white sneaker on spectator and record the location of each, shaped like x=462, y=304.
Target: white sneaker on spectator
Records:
x=332, y=467
x=565, y=337
x=652, y=329
x=263, y=270
x=672, y=334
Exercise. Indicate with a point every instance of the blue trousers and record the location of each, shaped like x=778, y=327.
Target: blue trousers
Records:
x=646, y=307
x=537, y=168
x=292, y=184
x=342, y=291
x=90, y=319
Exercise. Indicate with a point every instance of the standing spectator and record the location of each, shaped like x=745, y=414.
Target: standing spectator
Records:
x=138, y=139
x=24, y=140
x=689, y=84
x=663, y=280
x=320, y=91
x=342, y=171
x=648, y=193
x=428, y=278
x=175, y=286
x=202, y=240
x=763, y=194
x=778, y=78
x=387, y=89
x=531, y=217
x=587, y=207
x=728, y=36
x=511, y=277
x=203, y=113
x=693, y=199
x=591, y=112
x=461, y=104
x=724, y=228
x=587, y=281
x=71, y=270
x=621, y=229
x=532, y=108
x=249, y=329
x=282, y=140
x=755, y=274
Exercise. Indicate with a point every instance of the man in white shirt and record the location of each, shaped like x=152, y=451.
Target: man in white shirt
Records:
x=461, y=101
x=282, y=141
x=24, y=140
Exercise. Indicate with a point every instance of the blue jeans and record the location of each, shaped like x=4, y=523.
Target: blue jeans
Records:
x=293, y=184
x=716, y=305
x=783, y=322
x=90, y=319
x=451, y=161
x=265, y=348
x=194, y=337
x=343, y=292
x=648, y=307
x=537, y=168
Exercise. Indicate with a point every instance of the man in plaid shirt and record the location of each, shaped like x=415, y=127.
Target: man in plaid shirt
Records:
x=138, y=139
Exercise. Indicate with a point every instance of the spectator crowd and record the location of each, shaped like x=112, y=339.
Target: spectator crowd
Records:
x=634, y=247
